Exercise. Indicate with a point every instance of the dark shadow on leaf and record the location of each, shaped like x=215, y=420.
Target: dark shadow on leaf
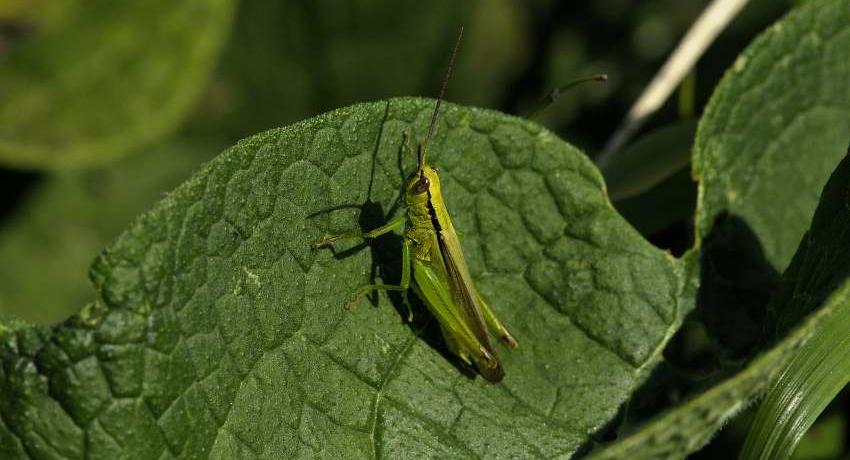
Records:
x=16, y=187
x=12, y=33
x=736, y=286
x=725, y=330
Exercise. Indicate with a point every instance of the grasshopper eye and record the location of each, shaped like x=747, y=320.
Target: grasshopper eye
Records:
x=423, y=184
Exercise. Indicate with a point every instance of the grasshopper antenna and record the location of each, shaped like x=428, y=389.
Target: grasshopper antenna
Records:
x=553, y=95
x=424, y=150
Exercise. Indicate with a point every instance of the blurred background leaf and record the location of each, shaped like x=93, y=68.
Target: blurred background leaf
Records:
x=649, y=161
x=103, y=77
x=46, y=247
x=38, y=14
x=290, y=60
x=825, y=441
x=650, y=183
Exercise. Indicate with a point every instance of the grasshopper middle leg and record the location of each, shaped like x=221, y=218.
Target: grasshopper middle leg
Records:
x=405, y=261
x=401, y=287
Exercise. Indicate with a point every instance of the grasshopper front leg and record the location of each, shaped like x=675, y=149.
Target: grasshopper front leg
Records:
x=329, y=240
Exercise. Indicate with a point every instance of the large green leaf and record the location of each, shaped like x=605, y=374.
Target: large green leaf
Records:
x=47, y=246
x=105, y=78
x=686, y=428
x=821, y=368
x=219, y=333
x=776, y=127
x=817, y=281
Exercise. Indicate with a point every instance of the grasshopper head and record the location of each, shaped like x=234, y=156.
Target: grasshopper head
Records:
x=418, y=185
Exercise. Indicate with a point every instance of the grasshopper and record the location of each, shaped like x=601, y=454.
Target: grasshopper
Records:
x=432, y=258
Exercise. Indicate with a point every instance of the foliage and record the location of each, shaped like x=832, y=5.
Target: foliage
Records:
x=218, y=280
x=215, y=331
x=105, y=79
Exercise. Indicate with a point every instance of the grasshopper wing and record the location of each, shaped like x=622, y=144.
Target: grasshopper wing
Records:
x=466, y=297
x=458, y=332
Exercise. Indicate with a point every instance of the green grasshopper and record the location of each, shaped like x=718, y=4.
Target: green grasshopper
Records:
x=432, y=253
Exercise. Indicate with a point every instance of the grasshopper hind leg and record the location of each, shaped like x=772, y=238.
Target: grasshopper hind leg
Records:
x=487, y=364
x=495, y=325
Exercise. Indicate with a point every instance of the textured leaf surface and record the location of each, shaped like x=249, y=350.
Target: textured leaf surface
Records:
x=107, y=77
x=48, y=245
x=776, y=127
x=817, y=281
x=821, y=368
x=685, y=429
x=219, y=333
